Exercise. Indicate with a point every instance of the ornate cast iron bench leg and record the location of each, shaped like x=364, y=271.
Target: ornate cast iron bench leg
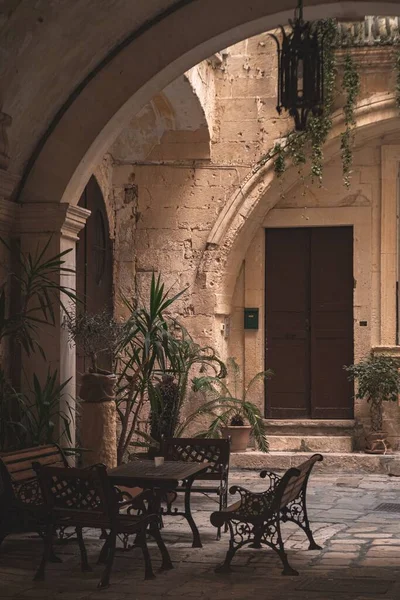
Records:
x=40, y=573
x=278, y=546
x=296, y=512
x=188, y=515
x=111, y=542
x=85, y=567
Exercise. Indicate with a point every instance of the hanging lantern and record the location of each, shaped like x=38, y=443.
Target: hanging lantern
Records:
x=300, y=70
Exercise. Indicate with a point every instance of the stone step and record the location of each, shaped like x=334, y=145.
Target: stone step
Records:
x=303, y=427
x=310, y=443
x=334, y=462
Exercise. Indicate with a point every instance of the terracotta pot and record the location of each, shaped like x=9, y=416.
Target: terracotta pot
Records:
x=240, y=435
x=377, y=443
x=97, y=387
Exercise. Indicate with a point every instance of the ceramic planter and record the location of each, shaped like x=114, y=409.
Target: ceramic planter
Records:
x=240, y=436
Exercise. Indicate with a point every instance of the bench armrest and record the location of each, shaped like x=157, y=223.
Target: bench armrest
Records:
x=251, y=504
x=274, y=479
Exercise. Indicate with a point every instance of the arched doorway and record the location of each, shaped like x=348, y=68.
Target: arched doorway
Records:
x=94, y=281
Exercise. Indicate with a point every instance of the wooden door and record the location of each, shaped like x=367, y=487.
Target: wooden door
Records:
x=309, y=322
x=94, y=263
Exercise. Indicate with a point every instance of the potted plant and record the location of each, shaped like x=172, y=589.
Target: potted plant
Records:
x=233, y=414
x=97, y=335
x=378, y=381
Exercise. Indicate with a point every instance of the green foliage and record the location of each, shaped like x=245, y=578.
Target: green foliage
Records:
x=155, y=360
x=227, y=405
x=96, y=334
x=146, y=347
x=40, y=411
x=351, y=86
x=28, y=418
x=40, y=294
x=378, y=381
x=397, y=89
x=300, y=148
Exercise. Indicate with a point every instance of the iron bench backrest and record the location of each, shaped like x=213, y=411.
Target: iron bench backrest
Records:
x=18, y=478
x=75, y=493
x=293, y=482
x=215, y=452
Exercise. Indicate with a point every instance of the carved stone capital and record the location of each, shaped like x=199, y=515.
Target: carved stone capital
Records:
x=42, y=218
x=5, y=122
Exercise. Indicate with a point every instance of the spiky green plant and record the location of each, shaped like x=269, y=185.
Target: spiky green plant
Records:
x=227, y=404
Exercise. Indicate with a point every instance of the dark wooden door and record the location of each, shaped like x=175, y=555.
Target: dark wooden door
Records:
x=94, y=263
x=309, y=322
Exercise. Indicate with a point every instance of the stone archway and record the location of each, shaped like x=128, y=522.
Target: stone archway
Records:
x=85, y=126
x=237, y=223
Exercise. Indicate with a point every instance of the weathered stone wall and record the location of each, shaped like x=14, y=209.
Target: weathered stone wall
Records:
x=167, y=204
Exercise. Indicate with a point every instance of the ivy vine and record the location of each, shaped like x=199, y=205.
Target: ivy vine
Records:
x=298, y=148
x=351, y=86
x=397, y=68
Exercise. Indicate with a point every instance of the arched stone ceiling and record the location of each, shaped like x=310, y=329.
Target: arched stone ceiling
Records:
x=49, y=47
x=181, y=108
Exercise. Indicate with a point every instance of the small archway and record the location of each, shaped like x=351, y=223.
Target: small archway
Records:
x=94, y=264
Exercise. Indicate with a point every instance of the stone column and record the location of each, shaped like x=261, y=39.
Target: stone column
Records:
x=390, y=168
x=36, y=224
x=8, y=212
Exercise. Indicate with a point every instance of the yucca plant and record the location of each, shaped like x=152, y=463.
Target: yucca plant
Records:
x=228, y=405
x=169, y=396
x=40, y=296
x=40, y=411
x=146, y=348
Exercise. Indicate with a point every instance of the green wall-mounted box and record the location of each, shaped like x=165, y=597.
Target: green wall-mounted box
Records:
x=251, y=318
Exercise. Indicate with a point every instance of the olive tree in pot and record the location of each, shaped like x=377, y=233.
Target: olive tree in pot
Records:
x=233, y=414
x=378, y=381
x=97, y=335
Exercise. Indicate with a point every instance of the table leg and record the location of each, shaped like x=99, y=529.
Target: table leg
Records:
x=155, y=508
x=188, y=515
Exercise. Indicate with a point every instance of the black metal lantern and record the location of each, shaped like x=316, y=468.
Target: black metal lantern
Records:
x=300, y=70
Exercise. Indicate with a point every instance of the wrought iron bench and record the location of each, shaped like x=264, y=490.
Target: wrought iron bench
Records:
x=21, y=500
x=81, y=498
x=215, y=452
x=255, y=519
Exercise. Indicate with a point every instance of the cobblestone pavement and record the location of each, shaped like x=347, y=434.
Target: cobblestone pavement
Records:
x=360, y=559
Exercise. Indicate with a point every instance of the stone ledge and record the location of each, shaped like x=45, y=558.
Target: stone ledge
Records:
x=310, y=443
x=314, y=427
x=335, y=462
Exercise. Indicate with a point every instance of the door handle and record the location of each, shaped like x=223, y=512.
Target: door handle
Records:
x=308, y=325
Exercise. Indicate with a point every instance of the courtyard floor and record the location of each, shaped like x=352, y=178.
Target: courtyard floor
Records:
x=360, y=559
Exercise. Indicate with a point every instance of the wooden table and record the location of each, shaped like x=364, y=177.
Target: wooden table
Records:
x=144, y=474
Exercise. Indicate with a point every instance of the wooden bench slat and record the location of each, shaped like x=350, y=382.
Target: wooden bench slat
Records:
x=17, y=470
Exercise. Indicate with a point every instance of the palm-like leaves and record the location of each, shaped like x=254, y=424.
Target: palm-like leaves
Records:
x=36, y=278
x=224, y=404
x=147, y=346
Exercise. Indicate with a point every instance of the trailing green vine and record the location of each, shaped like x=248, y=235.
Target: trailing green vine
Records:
x=351, y=86
x=298, y=148
x=397, y=88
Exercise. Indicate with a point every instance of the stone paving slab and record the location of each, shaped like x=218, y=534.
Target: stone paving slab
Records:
x=359, y=545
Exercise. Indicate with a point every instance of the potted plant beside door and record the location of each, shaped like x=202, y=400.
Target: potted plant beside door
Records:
x=378, y=381
x=233, y=414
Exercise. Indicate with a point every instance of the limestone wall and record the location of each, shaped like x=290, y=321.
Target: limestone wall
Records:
x=200, y=221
